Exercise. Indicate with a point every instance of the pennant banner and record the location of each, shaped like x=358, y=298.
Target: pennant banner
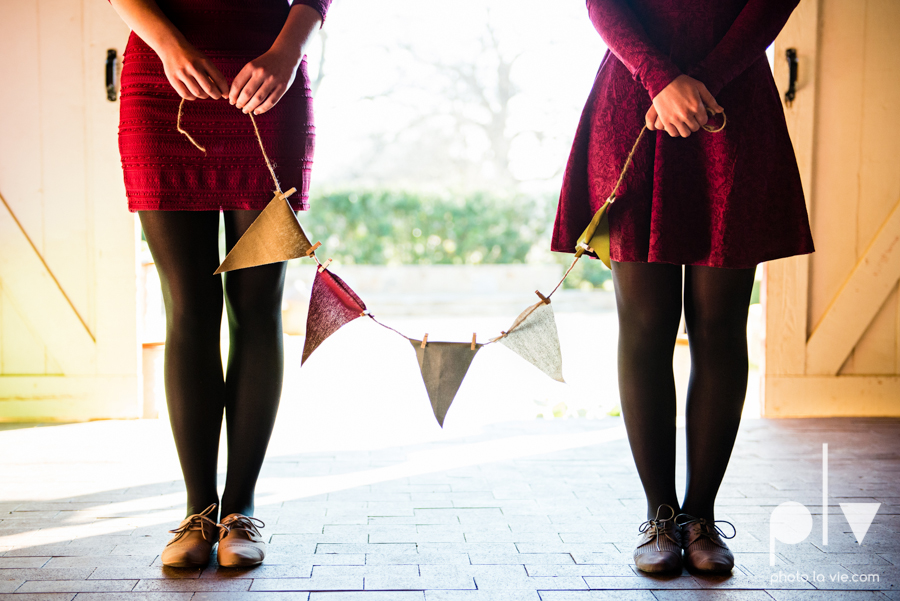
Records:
x=443, y=366
x=332, y=304
x=277, y=236
x=533, y=336
x=274, y=236
x=595, y=238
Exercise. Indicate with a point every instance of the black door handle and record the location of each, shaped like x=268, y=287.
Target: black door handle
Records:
x=111, y=74
x=791, y=55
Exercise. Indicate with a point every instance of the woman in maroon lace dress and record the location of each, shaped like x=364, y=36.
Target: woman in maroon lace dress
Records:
x=710, y=205
x=228, y=58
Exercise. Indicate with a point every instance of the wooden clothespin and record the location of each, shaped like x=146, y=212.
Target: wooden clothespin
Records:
x=424, y=340
x=313, y=248
x=544, y=299
x=285, y=195
x=324, y=265
x=474, y=340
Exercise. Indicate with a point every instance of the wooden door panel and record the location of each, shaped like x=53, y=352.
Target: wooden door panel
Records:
x=24, y=353
x=847, y=359
x=68, y=245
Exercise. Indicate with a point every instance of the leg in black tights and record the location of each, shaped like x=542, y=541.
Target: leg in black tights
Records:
x=648, y=298
x=255, y=367
x=184, y=245
x=715, y=310
x=185, y=248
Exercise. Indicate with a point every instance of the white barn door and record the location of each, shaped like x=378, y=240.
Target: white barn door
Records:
x=833, y=318
x=69, y=347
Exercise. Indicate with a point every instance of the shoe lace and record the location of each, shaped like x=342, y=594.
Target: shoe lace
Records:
x=708, y=528
x=656, y=526
x=242, y=522
x=196, y=521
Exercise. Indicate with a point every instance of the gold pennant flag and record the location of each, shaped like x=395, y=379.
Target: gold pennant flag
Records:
x=443, y=366
x=534, y=337
x=596, y=236
x=274, y=236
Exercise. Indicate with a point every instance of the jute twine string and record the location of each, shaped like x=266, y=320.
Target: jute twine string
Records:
x=182, y=131
x=628, y=160
x=258, y=139
x=533, y=308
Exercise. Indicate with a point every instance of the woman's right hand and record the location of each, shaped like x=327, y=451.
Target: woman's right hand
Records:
x=680, y=108
x=192, y=74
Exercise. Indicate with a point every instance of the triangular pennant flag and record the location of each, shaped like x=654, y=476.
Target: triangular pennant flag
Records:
x=331, y=305
x=274, y=236
x=443, y=366
x=534, y=337
x=860, y=516
x=596, y=235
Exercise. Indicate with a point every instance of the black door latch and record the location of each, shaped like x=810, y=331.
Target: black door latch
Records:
x=791, y=55
x=111, y=74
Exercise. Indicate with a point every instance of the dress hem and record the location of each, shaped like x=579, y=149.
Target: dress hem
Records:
x=134, y=207
x=717, y=264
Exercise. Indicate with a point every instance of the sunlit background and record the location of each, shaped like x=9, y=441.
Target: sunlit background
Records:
x=442, y=133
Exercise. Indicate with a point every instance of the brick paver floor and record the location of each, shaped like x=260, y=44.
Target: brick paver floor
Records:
x=531, y=510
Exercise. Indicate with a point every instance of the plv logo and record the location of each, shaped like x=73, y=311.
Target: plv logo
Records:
x=791, y=522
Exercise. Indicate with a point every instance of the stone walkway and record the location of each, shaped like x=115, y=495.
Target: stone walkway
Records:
x=531, y=510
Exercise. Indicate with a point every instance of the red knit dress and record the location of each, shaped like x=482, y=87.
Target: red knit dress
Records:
x=163, y=170
x=729, y=199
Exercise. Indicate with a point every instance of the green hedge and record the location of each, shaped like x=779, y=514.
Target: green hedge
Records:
x=386, y=227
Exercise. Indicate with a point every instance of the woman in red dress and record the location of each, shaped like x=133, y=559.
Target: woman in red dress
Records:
x=709, y=205
x=229, y=58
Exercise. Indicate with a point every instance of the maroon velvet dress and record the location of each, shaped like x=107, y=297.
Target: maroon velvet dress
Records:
x=729, y=199
x=163, y=170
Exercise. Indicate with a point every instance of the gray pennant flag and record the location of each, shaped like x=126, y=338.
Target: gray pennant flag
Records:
x=443, y=366
x=533, y=336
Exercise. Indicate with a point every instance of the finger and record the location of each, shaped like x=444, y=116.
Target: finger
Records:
x=709, y=100
x=672, y=130
x=182, y=90
x=659, y=124
x=702, y=117
x=650, y=118
x=238, y=84
x=692, y=124
x=271, y=101
x=259, y=97
x=683, y=130
x=247, y=93
x=203, y=80
x=217, y=77
x=192, y=85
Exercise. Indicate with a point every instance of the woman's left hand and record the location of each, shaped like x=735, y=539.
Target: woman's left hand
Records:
x=263, y=81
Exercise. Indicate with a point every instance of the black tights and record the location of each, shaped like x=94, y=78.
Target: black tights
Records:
x=185, y=247
x=649, y=297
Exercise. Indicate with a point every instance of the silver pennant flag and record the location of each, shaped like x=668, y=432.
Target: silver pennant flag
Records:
x=533, y=336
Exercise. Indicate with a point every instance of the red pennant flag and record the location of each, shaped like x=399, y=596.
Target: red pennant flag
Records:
x=331, y=305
